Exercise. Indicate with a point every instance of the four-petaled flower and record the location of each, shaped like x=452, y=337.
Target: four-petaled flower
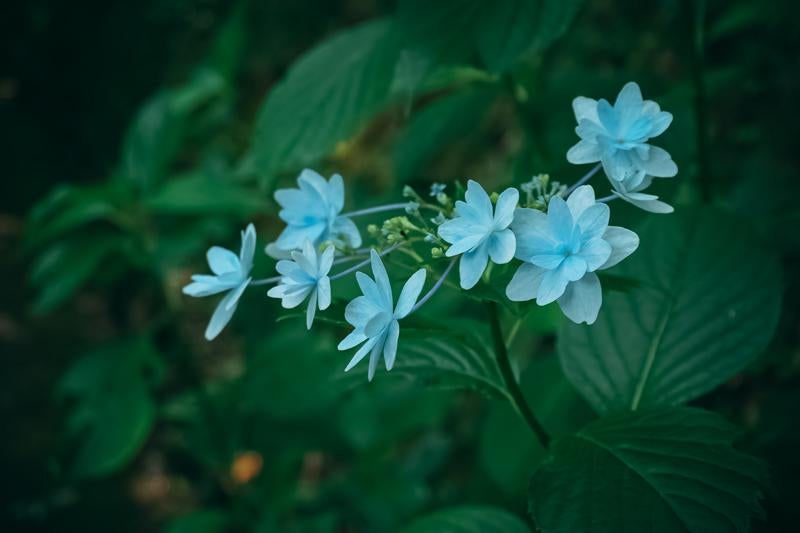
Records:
x=375, y=317
x=306, y=275
x=437, y=189
x=617, y=137
x=479, y=232
x=562, y=249
x=312, y=212
x=231, y=273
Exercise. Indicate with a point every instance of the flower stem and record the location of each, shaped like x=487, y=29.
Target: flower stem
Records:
x=435, y=287
x=585, y=178
x=265, y=281
x=608, y=198
x=364, y=263
x=376, y=209
x=504, y=363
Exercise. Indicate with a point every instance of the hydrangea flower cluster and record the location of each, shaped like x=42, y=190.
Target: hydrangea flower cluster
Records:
x=560, y=235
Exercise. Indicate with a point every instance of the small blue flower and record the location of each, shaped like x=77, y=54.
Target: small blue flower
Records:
x=306, y=275
x=231, y=273
x=479, y=232
x=375, y=317
x=312, y=212
x=562, y=249
x=437, y=189
x=617, y=137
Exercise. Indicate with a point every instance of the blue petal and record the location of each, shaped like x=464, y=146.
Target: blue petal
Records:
x=314, y=184
x=377, y=324
x=371, y=291
x=550, y=260
x=552, y=286
x=205, y=286
x=559, y=219
x=472, y=265
x=248, y=249
x=593, y=221
x=355, y=338
x=581, y=300
x=623, y=243
x=324, y=291
x=532, y=232
x=374, y=356
x=595, y=252
x=608, y=117
x=585, y=108
x=364, y=350
x=573, y=268
x=360, y=310
x=292, y=237
x=502, y=246
x=237, y=292
x=336, y=193
x=326, y=261
x=525, y=284
x=345, y=230
x=390, y=345
x=504, y=209
x=579, y=200
x=466, y=244
x=585, y=151
x=478, y=199
x=459, y=228
x=222, y=261
x=381, y=279
x=222, y=315
x=311, y=309
x=409, y=294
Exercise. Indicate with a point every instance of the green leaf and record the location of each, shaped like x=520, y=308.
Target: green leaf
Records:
x=326, y=97
x=199, y=194
x=442, y=359
x=707, y=307
x=509, y=450
x=661, y=471
x=439, y=123
x=114, y=410
x=501, y=33
x=468, y=519
x=154, y=139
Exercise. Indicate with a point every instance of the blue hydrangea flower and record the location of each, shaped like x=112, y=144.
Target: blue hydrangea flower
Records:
x=480, y=231
x=618, y=137
x=375, y=317
x=312, y=212
x=562, y=249
x=231, y=274
x=305, y=276
x=437, y=189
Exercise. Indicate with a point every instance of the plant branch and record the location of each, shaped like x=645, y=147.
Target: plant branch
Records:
x=504, y=363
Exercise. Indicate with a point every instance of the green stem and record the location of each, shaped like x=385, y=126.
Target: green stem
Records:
x=504, y=363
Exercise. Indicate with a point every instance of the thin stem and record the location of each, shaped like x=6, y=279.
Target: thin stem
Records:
x=504, y=363
x=513, y=333
x=376, y=209
x=435, y=287
x=585, y=178
x=265, y=281
x=608, y=198
x=363, y=263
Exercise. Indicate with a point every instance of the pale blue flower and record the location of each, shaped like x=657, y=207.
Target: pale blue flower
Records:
x=375, y=317
x=231, y=274
x=561, y=251
x=437, y=189
x=305, y=276
x=618, y=137
x=480, y=231
x=312, y=212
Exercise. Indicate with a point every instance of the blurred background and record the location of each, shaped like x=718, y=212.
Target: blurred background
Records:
x=130, y=142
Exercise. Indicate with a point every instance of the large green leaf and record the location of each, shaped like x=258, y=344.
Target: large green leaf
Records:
x=114, y=409
x=663, y=471
x=707, y=306
x=328, y=94
x=197, y=193
x=499, y=32
x=442, y=359
x=468, y=519
x=154, y=138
